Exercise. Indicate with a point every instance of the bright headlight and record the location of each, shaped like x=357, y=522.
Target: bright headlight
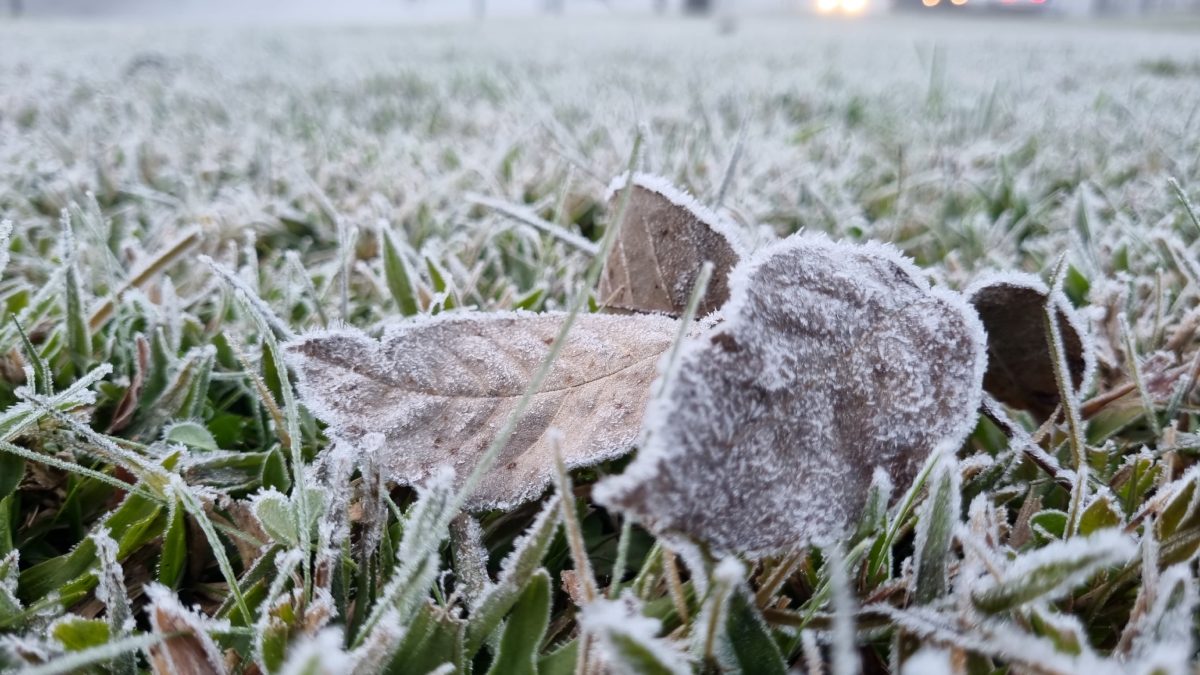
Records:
x=854, y=6
x=827, y=6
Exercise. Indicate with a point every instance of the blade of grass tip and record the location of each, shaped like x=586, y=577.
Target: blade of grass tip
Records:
x=905, y=508
x=38, y=307
x=781, y=573
x=618, y=570
x=642, y=583
x=72, y=467
x=347, y=240
x=1135, y=372
x=75, y=662
x=11, y=422
x=528, y=217
x=264, y=392
x=1187, y=203
x=697, y=292
x=397, y=274
x=43, y=380
x=173, y=251
x=731, y=165
x=685, y=324
x=720, y=592
x=1160, y=301
x=1182, y=387
x=149, y=472
x=845, y=651
x=6, y=228
x=564, y=192
x=699, y=288
x=297, y=267
x=196, y=510
x=1070, y=402
x=79, y=339
x=285, y=566
x=583, y=565
x=292, y=418
x=237, y=284
x=1019, y=438
x=824, y=587
x=675, y=585
x=535, y=385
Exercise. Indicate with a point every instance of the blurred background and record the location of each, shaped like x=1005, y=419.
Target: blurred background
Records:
x=441, y=10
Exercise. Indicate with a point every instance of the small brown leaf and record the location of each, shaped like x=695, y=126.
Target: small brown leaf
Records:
x=832, y=359
x=665, y=238
x=128, y=404
x=190, y=651
x=436, y=391
x=1012, y=307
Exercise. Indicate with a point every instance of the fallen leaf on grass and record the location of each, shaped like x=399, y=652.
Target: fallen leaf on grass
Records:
x=190, y=651
x=665, y=238
x=439, y=390
x=832, y=359
x=1012, y=307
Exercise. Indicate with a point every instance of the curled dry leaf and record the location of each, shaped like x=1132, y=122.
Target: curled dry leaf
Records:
x=190, y=651
x=832, y=359
x=1020, y=373
x=665, y=238
x=439, y=390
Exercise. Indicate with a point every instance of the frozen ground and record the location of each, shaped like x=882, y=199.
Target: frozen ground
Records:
x=354, y=174
x=943, y=135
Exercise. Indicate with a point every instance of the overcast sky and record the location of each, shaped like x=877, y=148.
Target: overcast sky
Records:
x=341, y=10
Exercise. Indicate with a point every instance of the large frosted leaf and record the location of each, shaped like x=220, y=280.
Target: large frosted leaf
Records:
x=832, y=359
x=1012, y=307
x=665, y=238
x=438, y=390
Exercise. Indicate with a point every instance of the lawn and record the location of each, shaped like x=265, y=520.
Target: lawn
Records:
x=194, y=217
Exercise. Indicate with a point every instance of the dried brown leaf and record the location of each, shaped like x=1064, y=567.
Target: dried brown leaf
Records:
x=1020, y=369
x=127, y=406
x=832, y=359
x=189, y=650
x=665, y=238
x=435, y=391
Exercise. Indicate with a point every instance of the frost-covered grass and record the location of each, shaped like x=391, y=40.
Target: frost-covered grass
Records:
x=151, y=447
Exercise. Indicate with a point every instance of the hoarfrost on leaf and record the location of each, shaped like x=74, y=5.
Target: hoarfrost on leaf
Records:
x=832, y=359
x=1020, y=373
x=1053, y=570
x=186, y=647
x=440, y=389
x=665, y=237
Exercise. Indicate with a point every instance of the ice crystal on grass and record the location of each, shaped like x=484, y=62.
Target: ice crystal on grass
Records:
x=628, y=640
x=1020, y=373
x=665, y=237
x=439, y=390
x=10, y=604
x=1052, y=570
x=832, y=359
x=1166, y=638
x=110, y=583
x=318, y=655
